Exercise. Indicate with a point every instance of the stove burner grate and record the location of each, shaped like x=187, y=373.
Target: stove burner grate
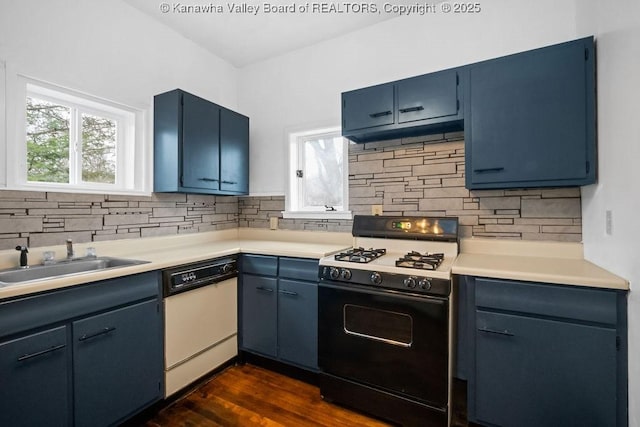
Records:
x=427, y=261
x=360, y=255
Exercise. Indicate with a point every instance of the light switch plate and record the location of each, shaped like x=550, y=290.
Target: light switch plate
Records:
x=273, y=223
x=376, y=209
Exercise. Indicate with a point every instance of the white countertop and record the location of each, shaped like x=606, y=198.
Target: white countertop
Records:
x=164, y=252
x=548, y=262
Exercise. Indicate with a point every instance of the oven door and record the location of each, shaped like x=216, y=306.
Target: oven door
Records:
x=385, y=339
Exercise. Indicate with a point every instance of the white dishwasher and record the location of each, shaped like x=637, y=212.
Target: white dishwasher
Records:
x=201, y=320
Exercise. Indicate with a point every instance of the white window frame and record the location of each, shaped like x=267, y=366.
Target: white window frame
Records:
x=295, y=190
x=131, y=157
x=3, y=128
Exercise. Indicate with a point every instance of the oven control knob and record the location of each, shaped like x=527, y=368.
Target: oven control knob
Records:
x=334, y=273
x=227, y=268
x=345, y=274
x=375, y=278
x=410, y=282
x=425, y=284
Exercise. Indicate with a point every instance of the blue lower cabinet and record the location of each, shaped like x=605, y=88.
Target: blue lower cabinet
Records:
x=88, y=355
x=116, y=365
x=34, y=372
x=546, y=355
x=259, y=314
x=298, y=322
x=538, y=372
x=278, y=309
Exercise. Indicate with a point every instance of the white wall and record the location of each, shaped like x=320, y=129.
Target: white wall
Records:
x=108, y=49
x=303, y=87
x=617, y=30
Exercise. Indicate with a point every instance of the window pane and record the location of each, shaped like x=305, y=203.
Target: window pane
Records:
x=323, y=172
x=98, y=149
x=47, y=141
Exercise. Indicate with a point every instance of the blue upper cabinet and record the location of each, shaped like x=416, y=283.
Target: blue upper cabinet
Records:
x=200, y=143
x=199, y=147
x=530, y=119
x=367, y=108
x=234, y=152
x=415, y=106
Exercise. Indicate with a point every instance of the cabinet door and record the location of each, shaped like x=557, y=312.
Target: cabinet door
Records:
x=118, y=363
x=530, y=120
x=259, y=314
x=536, y=372
x=368, y=107
x=34, y=376
x=298, y=322
x=200, y=143
x=234, y=152
x=426, y=97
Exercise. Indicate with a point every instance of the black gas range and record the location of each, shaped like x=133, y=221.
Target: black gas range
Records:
x=385, y=319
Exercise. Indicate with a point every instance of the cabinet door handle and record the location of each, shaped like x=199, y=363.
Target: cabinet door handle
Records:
x=229, y=182
x=381, y=114
x=411, y=109
x=40, y=353
x=262, y=288
x=97, y=334
x=293, y=294
x=208, y=179
x=488, y=170
x=492, y=331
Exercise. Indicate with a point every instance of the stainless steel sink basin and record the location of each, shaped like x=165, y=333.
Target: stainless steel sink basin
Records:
x=16, y=276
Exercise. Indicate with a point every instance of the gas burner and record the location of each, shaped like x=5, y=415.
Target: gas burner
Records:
x=360, y=255
x=427, y=261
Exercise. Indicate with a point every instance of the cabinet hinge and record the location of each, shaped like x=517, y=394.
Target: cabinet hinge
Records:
x=458, y=104
x=181, y=180
x=588, y=167
x=618, y=343
x=586, y=53
x=299, y=173
x=159, y=385
x=457, y=79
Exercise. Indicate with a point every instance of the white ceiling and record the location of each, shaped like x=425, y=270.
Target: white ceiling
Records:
x=243, y=38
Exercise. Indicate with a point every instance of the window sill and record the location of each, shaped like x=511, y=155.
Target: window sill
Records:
x=317, y=215
x=52, y=188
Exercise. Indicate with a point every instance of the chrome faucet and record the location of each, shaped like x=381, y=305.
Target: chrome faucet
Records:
x=24, y=263
x=69, y=249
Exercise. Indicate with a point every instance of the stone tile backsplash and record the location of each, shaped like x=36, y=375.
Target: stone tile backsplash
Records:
x=425, y=176
x=410, y=176
x=45, y=219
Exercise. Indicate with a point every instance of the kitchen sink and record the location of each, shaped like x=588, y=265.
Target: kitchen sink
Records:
x=17, y=276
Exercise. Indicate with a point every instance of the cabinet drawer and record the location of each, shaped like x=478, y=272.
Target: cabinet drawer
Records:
x=299, y=268
x=33, y=311
x=263, y=265
x=592, y=305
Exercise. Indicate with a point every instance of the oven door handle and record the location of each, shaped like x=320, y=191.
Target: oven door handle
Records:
x=430, y=299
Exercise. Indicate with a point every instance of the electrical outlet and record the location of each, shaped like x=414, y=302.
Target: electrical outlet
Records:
x=273, y=223
x=376, y=209
x=608, y=222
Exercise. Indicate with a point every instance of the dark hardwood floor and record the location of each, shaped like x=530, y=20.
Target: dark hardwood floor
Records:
x=246, y=395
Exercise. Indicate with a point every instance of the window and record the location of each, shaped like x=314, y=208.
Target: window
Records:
x=68, y=141
x=318, y=175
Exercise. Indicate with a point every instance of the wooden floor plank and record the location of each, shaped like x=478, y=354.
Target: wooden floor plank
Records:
x=246, y=395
